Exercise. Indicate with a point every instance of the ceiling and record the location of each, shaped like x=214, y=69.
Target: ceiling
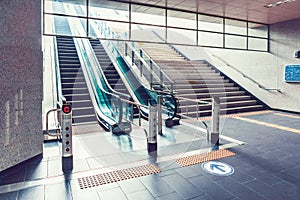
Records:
x=250, y=10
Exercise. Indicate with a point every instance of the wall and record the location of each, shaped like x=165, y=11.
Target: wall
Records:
x=20, y=81
x=265, y=68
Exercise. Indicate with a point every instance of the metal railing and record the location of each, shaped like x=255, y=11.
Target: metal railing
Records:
x=148, y=67
x=115, y=48
x=138, y=57
x=244, y=75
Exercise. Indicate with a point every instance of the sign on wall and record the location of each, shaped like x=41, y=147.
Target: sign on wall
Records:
x=292, y=73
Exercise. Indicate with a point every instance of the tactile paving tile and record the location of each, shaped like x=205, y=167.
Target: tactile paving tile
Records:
x=118, y=175
x=196, y=159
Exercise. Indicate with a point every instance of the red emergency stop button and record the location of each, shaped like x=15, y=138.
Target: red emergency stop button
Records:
x=66, y=108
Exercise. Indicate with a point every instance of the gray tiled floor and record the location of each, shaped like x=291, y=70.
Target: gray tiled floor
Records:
x=267, y=167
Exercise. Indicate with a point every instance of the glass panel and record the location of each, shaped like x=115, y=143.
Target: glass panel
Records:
x=62, y=8
x=147, y=33
x=110, y=10
x=258, y=44
x=181, y=36
x=60, y=25
x=109, y=30
x=210, y=39
x=209, y=23
x=235, y=27
x=49, y=24
x=148, y=15
x=238, y=42
x=181, y=19
x=258, y=30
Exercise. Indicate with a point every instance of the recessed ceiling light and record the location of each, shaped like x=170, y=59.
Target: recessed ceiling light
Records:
x=278, y=3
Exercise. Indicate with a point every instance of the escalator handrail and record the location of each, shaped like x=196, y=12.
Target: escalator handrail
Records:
x=110, y=91
x=149, y=89
x=80, y=42
x=95, y=60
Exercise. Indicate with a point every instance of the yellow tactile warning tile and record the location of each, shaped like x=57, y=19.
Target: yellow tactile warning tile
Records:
x=118, y=175
x=196, y=159
x=269, y=125
x=237, y=115
x=287, y=115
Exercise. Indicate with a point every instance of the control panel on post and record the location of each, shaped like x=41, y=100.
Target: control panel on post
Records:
x=66, y=131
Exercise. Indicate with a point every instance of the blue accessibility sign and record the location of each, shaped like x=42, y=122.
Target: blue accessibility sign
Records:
x=217, y=168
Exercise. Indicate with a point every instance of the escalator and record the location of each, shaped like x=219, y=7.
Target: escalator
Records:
x=74, y=87
x=111, y=74
x=106, y=81
x=138, y=90
x=73, y=83
x=82, y=83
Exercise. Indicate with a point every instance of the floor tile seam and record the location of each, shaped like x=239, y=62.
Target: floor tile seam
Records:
x=137, y=153
x=258, y=193
x=76, y=175
x=203, y=193
x=204, y=131
x=141, y=189
x=241, y=184
x=285, y=128
x=221, y=186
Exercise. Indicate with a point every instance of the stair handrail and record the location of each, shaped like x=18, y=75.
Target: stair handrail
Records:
x=244, y=75
x=140, y=53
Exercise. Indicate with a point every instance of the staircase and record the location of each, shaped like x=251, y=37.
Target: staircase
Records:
x=197, y=80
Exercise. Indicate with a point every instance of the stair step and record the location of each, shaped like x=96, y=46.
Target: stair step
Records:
x=192, y=86
x=224, y=111
x=208, y=95
x=84, y=119
x=82, y=103
x=224, y=105
x=70, y=66
x=74, y=91
x=83, y=112
x=72, y=70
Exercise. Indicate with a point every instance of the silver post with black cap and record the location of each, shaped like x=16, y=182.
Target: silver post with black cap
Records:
x=66, y=130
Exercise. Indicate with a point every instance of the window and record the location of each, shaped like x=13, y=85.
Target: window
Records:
x=139, y=22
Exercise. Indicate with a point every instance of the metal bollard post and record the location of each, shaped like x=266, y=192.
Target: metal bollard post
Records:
x=66, y=130
x=152, y=135
x=159, y=114
x=214, y=135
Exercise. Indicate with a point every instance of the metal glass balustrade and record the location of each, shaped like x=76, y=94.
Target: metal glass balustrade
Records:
x=111, y=109
x=140, y=88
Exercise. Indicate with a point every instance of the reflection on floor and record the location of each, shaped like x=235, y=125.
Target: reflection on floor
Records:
x=266, y=167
